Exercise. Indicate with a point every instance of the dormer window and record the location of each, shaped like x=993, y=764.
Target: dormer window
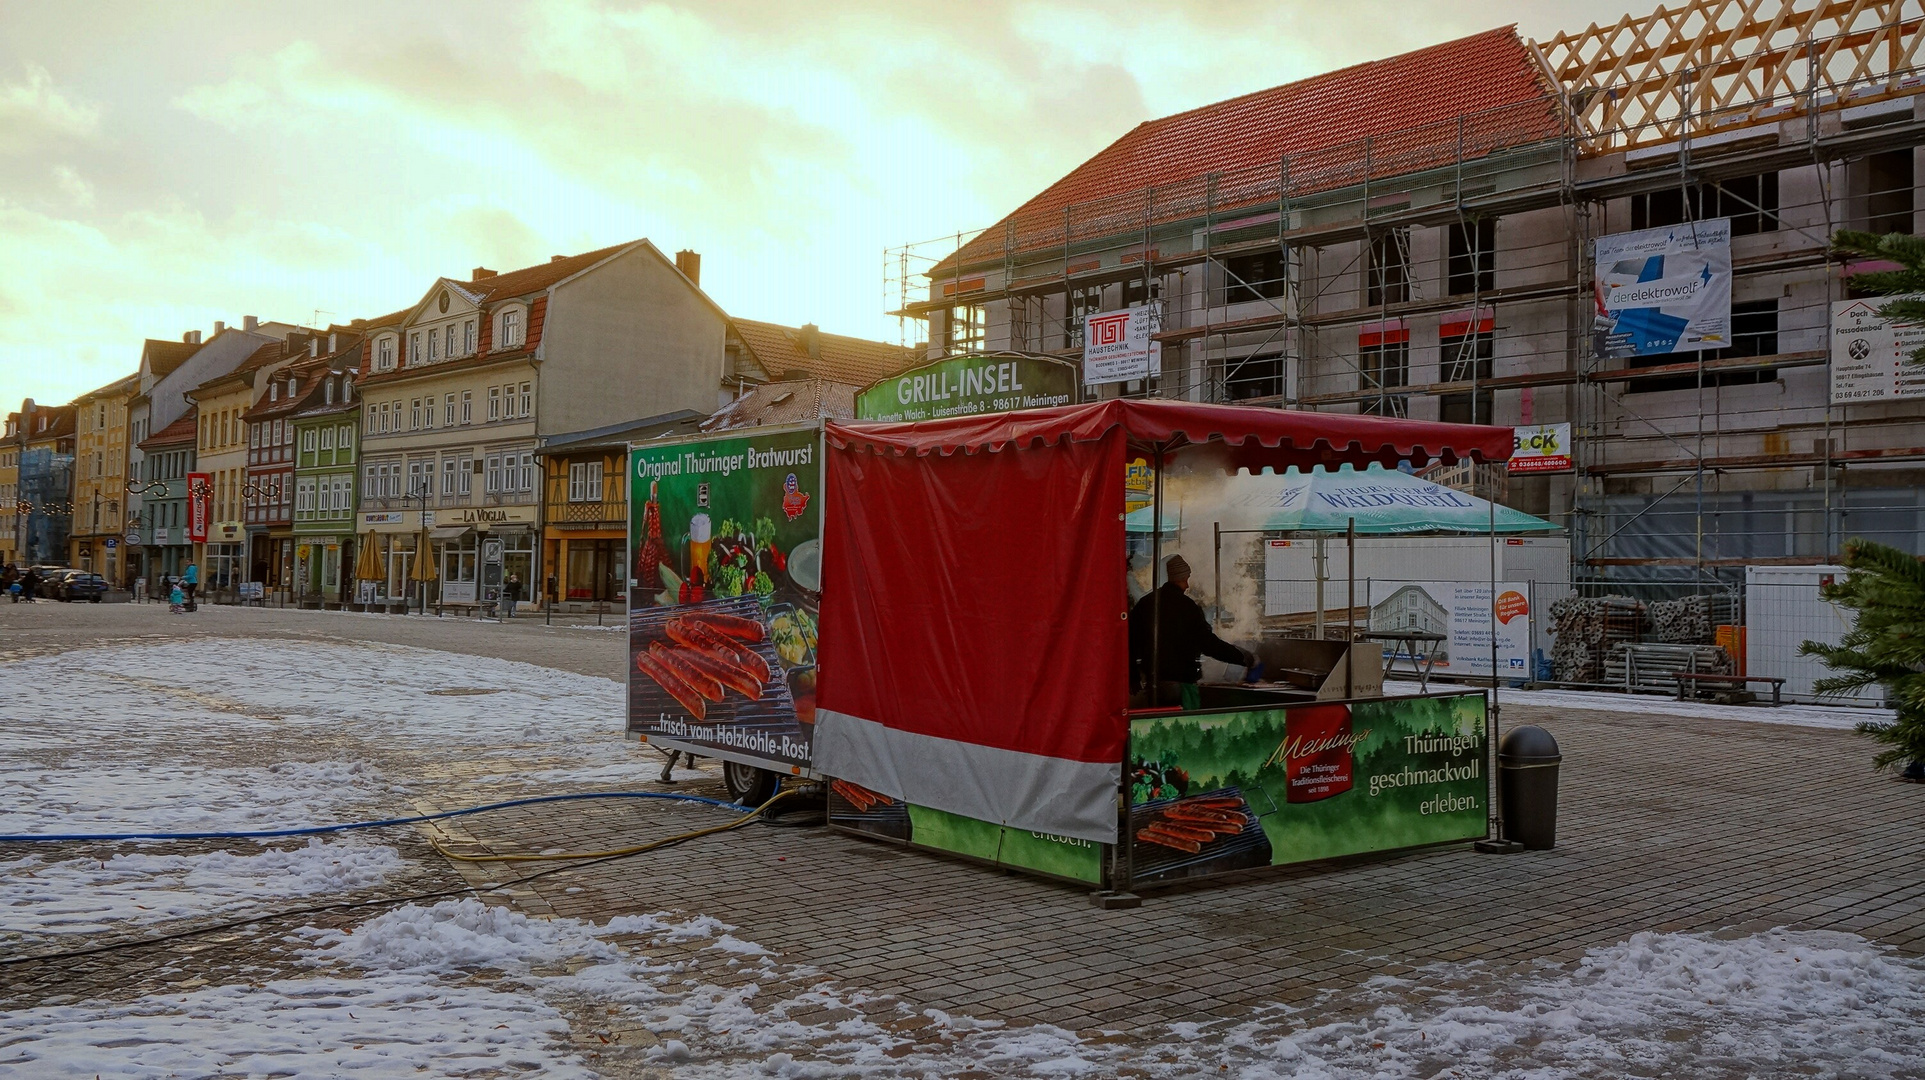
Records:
x=293, y=384
x=273, y=391
x=511, y=328
x=414, y=348
x=384, y=354
x=468, y=338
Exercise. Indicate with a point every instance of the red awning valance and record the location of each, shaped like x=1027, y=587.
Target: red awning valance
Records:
x=1254, y=437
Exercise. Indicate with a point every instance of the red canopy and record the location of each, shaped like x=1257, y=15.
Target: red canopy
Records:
x=974, y=634
x=1253, y=437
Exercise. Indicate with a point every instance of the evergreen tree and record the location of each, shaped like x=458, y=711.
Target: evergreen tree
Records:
x=1885, y=646
x=1905, y=282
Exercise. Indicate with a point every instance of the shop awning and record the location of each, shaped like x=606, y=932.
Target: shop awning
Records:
x=449, y=532
x=1252, y=438
x=1383, y=502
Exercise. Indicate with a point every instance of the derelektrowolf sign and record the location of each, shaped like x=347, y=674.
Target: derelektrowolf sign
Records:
x=1664, y=290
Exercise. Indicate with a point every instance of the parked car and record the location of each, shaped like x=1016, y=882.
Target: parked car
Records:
x=79, y=585
x=46, y=577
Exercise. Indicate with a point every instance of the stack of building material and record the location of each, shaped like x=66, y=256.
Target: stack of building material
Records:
x=1692, y=620
x=1583, y=630
x=1651, y=665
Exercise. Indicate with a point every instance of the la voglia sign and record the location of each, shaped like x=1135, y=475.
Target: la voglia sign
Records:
x=969, y=385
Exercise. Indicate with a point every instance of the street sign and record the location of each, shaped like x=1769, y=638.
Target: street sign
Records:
x=112, y=543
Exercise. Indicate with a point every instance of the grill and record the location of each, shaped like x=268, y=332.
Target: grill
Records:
x=1243, y=851
x=648, y=703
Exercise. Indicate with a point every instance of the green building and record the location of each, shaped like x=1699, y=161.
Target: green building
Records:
x=326, y=436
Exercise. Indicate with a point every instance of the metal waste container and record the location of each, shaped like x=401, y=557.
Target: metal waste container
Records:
x=1527, y=764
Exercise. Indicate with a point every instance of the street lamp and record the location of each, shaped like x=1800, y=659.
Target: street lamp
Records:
x=145, y=488
x=266, y=490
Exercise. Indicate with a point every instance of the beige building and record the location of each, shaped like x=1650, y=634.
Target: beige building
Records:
x=459, y=386
x=221, y=454
x=100, y=479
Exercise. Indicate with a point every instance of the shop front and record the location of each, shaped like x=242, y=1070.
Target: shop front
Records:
x=224, y=561
x=385, y=560
x=477, y=548
x=319, y=565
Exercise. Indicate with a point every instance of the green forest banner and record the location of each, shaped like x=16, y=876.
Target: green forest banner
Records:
x=1220, y=792
x=724, y=588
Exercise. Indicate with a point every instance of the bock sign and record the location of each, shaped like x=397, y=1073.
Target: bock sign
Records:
x=1117, y=345
x=1543, y=448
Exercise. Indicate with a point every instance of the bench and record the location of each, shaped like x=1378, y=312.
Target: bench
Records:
x=1695, y=682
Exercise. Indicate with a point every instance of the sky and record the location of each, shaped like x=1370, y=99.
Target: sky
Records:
x=163, y=166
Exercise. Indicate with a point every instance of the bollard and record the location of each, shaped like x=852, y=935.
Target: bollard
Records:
x=1527, y=767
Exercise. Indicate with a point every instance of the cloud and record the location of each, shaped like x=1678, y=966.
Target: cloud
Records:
x=74, y=185
x=34, y=114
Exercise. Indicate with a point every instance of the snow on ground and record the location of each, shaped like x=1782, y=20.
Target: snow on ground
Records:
x=1835, y=717
x=398, y=997
x=193, y=736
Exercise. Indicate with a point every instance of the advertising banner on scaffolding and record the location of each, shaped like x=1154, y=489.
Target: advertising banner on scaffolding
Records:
x=724, y=588
x=1117, y=345
x=1664, y=290
x=1541, y=448
x=1871, y=357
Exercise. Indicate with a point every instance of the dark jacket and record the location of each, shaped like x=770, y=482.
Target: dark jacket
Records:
x=511, y=589
x=1186, y=635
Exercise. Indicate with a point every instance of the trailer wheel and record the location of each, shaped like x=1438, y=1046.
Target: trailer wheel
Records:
x=749, y=785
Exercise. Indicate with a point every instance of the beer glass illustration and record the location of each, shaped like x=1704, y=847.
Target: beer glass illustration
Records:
x=700, y=534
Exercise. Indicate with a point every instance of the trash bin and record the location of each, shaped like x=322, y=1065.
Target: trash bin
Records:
x=1527, y=764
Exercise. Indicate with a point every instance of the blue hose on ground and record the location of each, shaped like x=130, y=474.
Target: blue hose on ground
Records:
x=315, y=830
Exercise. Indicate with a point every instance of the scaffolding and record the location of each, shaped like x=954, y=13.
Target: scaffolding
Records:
x=1298, y=284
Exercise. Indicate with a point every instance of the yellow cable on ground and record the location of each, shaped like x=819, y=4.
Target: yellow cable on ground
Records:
x=636, y=850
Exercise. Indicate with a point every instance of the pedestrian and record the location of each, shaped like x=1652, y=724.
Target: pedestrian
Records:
x=1175, y=637
x=29, y=583
x=190, y=580
x=7, y=577
x=176, y=602
x=510, y=593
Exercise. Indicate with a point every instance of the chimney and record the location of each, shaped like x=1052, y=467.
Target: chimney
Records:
x=690, y=264
x=218, y=327
x=192, y=337
x=556, y=258
x=811, y=339
x=481, y=273
x=249, y=323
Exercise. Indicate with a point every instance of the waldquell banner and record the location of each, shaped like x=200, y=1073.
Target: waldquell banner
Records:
x=724, y=588
x=1213, y=793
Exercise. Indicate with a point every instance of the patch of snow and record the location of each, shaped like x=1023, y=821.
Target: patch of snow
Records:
x=85, y=896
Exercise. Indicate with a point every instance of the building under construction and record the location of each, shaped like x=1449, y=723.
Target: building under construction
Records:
x=1415, y=237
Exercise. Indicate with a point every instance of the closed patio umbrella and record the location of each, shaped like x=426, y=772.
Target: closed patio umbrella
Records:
x=367, y=565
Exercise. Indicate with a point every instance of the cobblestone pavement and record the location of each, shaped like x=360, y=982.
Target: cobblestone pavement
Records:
x=1667, y=823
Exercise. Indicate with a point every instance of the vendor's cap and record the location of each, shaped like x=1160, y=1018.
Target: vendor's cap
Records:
x=1175, y=567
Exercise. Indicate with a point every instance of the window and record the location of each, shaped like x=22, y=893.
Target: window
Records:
x=1389, y=273
x=1472, y=266
x=450, y=350
x=494, y=403
x=327, y=438
x=253, y=436
x=965, y=328
x=448, y=411
x=369, y=487
x=1888, y=192
x=584, y=481
x=1754, y=332
x=1087, y=300
x=307, y=441
x=1253, y=377
x=414, y=348
x=304, y=498
x=1751, y=202
x=510, y=328
x=493, y=483
x=467, y=406
x=420, y=477
x=1383, y=367
x=434, y=346
x=371, y=424
x=464, y=475
x=414, y=414
x=468, y=337
x=1256, y=276
x=344, y=438
x=527, y=470
x=525, y=407
x=1465, y=358
x=384, y=354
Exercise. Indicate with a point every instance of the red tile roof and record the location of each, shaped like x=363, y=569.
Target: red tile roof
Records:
x=851, y=361
x=182, y=430
x=786, y=403
x=1430, y=86
x=307, y=375
x=532, y=279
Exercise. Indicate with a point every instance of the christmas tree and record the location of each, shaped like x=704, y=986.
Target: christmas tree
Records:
x=1885, y=647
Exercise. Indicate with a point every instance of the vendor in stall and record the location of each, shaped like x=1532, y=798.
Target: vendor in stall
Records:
x=1185, y=636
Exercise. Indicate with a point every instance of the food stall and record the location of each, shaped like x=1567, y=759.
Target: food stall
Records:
x=965, y=687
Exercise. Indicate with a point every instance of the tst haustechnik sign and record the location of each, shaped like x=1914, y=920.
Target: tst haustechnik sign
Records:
x=1117, y=346
x=968, y=385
